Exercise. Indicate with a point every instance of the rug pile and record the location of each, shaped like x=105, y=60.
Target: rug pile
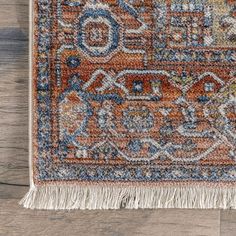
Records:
x=133, y=104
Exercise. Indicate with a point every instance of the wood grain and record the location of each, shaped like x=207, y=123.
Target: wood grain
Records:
x=13, y=111
x=14, y=220
x=14, y=13
x=228, y=223
x=17, y=221
x=13, y=98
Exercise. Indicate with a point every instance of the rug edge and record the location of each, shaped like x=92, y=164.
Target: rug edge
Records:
x=129, y=197
x=30, y=93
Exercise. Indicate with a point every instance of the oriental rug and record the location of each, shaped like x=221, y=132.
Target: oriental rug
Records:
x=133, y=104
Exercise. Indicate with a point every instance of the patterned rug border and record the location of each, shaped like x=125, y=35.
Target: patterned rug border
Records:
x=220, y=184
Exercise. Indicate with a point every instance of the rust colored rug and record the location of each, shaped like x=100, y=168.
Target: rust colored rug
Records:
x=133, y=104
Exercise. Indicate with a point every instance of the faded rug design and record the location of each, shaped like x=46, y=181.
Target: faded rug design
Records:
x=133, y=104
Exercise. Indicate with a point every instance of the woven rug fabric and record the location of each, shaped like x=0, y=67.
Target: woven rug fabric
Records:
x=133, y=104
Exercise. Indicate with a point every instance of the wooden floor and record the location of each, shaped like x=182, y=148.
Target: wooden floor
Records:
x=14, y=164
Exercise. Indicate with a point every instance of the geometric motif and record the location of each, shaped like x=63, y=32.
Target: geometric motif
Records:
x=98, y=33
x=134, y=91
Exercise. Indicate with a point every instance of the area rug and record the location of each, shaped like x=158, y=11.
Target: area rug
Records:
x=133, y=104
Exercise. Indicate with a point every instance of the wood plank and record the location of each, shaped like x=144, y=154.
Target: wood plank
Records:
x=14, y=15
x=13, y=170
x=13, y=51
x=13, y=112
x=16, y=221
x=15, y=2
x=228, y=223
x=13, y=97
x=12, y=192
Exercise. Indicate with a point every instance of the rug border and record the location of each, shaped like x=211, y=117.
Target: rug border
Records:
x=30, y=94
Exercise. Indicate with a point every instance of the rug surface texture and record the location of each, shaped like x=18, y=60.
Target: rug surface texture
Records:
x=133, y=104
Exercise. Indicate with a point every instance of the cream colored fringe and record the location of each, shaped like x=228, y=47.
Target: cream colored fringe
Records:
x=113, y=197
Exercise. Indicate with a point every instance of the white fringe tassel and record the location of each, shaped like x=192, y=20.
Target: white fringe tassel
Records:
x=113, y=197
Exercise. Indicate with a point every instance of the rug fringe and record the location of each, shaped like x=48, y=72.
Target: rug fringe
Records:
x=113, y=197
